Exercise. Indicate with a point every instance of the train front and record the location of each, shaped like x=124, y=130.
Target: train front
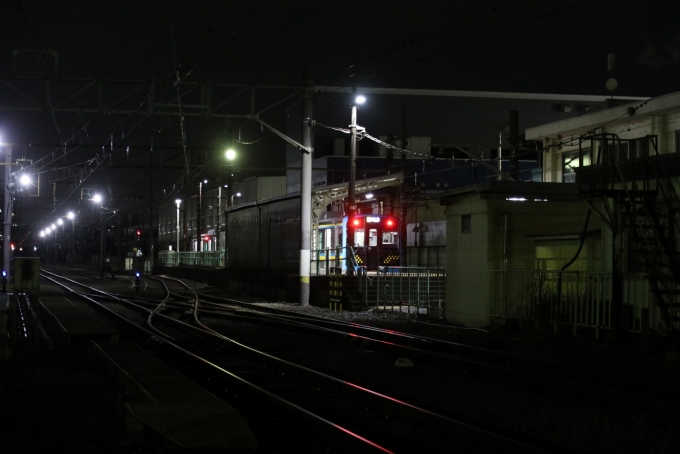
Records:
x=376, y=240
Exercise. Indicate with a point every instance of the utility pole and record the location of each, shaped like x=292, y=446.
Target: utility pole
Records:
x=306, y=186
x=513, y=137
x=8, y=211
x=351, y=195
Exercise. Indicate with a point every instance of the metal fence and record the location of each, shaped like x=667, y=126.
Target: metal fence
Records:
x=192, y=258
x=408, y=289
x=323, y=261
x=584, y=299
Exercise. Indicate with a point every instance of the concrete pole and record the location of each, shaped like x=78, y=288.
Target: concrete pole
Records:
x=8, y=211
x=199, y=244
x=219, y=223
x=306, y=186
x=177, y=246
x=101, y=239
x=351, y=196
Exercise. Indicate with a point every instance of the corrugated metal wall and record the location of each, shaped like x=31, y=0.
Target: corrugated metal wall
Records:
x=265, y=236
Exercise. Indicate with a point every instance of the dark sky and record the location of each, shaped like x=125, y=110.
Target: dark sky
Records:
x=531, y=46
x=535, y=46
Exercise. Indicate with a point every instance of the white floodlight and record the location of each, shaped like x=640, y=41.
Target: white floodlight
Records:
x=53, y=226
x=369, y=195
x=25, y=180
x=70, y=215
x=97, y=198
x=360, y=99
x=178, y=201
x=231, y=154
x=60, y=222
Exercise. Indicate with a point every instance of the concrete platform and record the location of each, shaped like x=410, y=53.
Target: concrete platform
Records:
x=66, y=323
x=173, y=405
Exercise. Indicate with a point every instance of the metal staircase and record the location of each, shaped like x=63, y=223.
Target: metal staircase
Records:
x=645, y=205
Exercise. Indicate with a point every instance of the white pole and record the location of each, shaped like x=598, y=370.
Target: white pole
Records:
x=306, y=187
x=8, y=210
x=178, y=202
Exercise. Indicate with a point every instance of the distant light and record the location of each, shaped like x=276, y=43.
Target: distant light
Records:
x=59, y=221
x=97, y=198
x=205, y=181
x=238, y=194
x=369, y=195
x=4, y=273
x=48, y=230
x=70, y=215
x=25, y=180
x=178, y=201
x=35, y=248
x=231, y=154
x=53, y=226
x=137, y=274
x=42, y=234
x=360, y=99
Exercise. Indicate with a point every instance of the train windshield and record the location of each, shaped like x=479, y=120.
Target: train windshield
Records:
x=373, y=237
x=359, y=238
x=389, y=238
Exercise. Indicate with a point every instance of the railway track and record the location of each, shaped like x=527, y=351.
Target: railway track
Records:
x=534, y=372
x=366, y=419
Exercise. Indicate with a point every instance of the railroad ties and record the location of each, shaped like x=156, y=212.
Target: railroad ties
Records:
x=171, y=404
x=68, y=324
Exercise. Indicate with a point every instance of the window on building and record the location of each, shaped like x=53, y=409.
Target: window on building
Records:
x=466, y=223
x=570, y=161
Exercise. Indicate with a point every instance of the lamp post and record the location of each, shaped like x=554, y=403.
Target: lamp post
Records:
x=351, y=196
x=98, y=200
x=230, y=155
x=72, y=217
x=177, y=202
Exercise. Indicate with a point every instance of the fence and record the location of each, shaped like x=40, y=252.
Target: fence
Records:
x=585, y=299
x=192, y=258
x=416, y=290
x=323, y=261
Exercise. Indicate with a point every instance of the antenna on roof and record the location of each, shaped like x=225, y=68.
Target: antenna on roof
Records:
x=611, y=84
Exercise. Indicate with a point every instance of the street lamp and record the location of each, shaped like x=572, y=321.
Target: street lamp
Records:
x=98, y=200
x=351, y=196
x=72, y=217
x=178, y=201
x=231, y=154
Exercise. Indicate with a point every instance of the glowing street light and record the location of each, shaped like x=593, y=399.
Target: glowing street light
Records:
x=97, y=198
x=231, y=154
x=25, y=180
x=360, y=99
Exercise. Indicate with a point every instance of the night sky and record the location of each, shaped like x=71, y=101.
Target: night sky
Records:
x=528, y=46
x=555, y=47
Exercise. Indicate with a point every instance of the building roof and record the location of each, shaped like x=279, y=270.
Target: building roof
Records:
x=652, y=106
x=515, y=190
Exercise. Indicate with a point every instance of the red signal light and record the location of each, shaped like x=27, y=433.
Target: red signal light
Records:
x=139, y=233
x=355, y=222
x=390, y=222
